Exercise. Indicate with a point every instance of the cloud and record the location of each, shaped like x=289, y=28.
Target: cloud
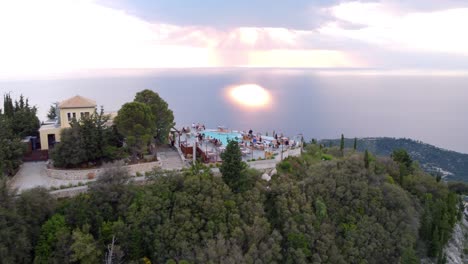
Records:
x=54, y=37
x=223, y=15
x=62, y=36
x=390, y=27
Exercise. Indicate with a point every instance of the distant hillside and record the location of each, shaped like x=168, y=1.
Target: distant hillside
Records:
x=452, y=165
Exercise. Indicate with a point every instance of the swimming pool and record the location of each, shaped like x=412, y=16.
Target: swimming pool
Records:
x=222, y=136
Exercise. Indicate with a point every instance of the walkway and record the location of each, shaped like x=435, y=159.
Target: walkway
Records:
x=32, y=174
x=170, y=158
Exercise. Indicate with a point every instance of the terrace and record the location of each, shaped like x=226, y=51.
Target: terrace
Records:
x=210, y=143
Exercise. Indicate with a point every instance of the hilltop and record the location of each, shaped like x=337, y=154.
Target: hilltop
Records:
x=453, y=166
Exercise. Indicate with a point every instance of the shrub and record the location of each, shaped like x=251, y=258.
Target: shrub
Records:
x=285, y=166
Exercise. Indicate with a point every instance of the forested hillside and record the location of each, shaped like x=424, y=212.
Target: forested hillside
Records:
x=453, y=166
x=323, y=207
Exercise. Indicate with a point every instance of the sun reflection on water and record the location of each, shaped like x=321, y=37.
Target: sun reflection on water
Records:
x=250, y=95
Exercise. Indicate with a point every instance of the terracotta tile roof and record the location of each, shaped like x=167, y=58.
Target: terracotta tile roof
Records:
x=77, y=102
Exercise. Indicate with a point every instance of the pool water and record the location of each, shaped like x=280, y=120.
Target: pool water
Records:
x=222, y=136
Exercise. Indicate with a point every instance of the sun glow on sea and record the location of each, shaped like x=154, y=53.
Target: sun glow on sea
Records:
x=250, y=95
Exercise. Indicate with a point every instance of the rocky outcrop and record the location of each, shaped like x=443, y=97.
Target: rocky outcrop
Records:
x=458, y=242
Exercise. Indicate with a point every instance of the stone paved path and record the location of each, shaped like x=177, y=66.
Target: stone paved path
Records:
x=32, y=174
x=170, y=158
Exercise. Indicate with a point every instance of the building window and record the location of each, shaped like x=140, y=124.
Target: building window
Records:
x=74, y=115
x=69, y=116
x=85, y=114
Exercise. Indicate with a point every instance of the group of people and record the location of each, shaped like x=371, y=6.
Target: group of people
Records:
x=195, y=127
x=201, y=137
x=259, y=142
x=198, y=127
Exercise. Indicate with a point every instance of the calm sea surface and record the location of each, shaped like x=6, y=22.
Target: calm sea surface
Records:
x=318, y=104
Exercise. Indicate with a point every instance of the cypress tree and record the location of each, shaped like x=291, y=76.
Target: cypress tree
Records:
x=366, y=159
x=233, y=168
x=342, y=143
x=355, y=144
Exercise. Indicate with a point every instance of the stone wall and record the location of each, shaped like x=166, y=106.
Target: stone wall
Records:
x=93, y=173
x=70, y=192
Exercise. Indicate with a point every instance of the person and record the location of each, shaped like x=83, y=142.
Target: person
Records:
x=260, y=139
x=171, y=138
x=276, y=136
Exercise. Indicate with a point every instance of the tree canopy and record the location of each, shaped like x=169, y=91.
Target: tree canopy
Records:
x=135, y=121
x=52, y=114
x=21, y=115
x=233, y=168
x=163, y=116
x=312, y=211
x=17, y=120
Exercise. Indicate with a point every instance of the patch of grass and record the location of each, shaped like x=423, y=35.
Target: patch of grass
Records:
x=327, y=157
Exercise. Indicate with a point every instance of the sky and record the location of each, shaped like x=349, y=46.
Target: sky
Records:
x=60, y=37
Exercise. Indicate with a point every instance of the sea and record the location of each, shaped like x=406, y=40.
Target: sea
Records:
x=428, y=106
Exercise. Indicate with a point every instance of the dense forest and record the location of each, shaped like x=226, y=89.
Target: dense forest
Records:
x=450, y=164
x=327, y=206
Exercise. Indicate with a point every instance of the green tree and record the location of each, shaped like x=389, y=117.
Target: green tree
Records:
x=135, y=122
x=366, y=159
x=8, y=108
x=85, y=249
x=233, y=168
x=14, y=243
x=402, y=157
x=409, y=256
x=50, y=232
x=22, y=116
x=88, y=141
x=355, y=144
x=163, y=116
x=70, y=152
x=52, y=114
x=93, y=132
x=320, y=209
x=11, y=148
x=342, y=143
